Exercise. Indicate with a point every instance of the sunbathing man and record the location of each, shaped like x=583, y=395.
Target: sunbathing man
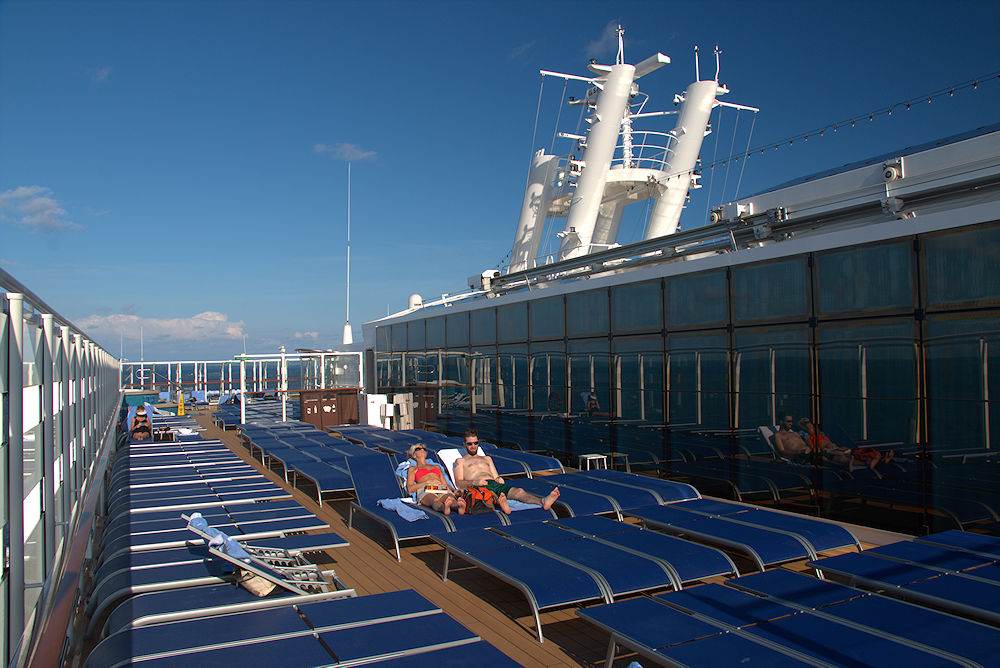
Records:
x=790, y=444
x=474, y=470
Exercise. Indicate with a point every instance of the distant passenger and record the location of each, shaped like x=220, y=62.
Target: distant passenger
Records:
x=429, y=484
x=790, y=444
x=840, y=455
x=474, y=470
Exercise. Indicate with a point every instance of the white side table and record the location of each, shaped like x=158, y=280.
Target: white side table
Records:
x=588, y=462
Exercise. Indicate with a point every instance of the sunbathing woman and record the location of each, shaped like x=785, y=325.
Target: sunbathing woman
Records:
x=429, y=483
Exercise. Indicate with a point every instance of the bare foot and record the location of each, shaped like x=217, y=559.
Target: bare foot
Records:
x=889, y=455
x=502, y=502
x=447, y=505
x=550, y=499
x=461, y=506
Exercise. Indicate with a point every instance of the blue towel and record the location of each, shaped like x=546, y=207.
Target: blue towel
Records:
x=406, y=511
x=235, y=550
x=521, y=505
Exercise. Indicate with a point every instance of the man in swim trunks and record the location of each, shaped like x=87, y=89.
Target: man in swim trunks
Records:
x=475, y=470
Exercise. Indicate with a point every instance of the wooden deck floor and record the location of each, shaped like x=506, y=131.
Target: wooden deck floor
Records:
x=492, y=609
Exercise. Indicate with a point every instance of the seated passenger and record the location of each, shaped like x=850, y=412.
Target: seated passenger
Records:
x=141, y=432
x=474, y=470
x=789, y=444
x=140, y=419
x=840, y=455
x=429, y=484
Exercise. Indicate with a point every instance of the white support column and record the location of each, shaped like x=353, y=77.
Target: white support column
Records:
x=15, y=470
x=243, y=391
x=283, y=385
x=48, y=441
x=79, y=426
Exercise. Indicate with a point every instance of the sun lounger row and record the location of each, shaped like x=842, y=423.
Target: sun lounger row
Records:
x=785, y=618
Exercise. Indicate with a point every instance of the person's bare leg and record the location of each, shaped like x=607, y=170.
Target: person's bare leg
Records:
x=523, y=496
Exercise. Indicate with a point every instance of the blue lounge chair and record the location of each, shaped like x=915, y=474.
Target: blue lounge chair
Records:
x=573, y=501
x=356, y=630
x=988, y=546
x=689, y=561
x=545, y=580
x=668, y=490
x=372, y=484
x=766, y=547
x=891, y=618
x=964, y=595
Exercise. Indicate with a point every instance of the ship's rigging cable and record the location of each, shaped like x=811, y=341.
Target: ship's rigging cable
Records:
x=732, y=145
x=555, y=129
x=744, y=165
x=541, y=86
x=711, y=166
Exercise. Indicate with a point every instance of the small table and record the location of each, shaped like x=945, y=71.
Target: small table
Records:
x=588, y=462
x=620, y=456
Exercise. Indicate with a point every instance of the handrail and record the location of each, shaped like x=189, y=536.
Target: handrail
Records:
x=38, y=305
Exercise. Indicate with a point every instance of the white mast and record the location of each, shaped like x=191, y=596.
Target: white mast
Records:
x=348, y=335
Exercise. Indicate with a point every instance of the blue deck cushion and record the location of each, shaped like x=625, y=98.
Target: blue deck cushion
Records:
x=726, y=605
x=797, y=587
x=764, y=546
x=627, y=497
x=667, y=489
x=931, y=556
x=972, y=542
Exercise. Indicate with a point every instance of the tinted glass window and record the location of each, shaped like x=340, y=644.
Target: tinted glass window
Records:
x=859, y=279
x=776, y=289
x=639, y=378
x=399, y=336
x=484, y=326
x=963, y=266
x=415, y=335
x=697, y=300
x=699, y=380
x=512, y=322
x=637, y=306
x=435, y=332
x=773, y=365
x=383, y=341
x=587, y=313
x=548, y=377
x=547, y=318
x=458, y=329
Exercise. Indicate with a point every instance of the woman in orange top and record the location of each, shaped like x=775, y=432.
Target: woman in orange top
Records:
x=430, y=485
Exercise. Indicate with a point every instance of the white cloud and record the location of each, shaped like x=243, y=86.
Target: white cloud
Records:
x=201, y=327
x=520, y=50
x=346, y=152
x=98, y=74
x=307, y=335
x=606, y=43
x=34, y=208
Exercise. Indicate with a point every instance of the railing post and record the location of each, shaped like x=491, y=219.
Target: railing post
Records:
x=48, y=442
x=15, y=472
x=79, y=427
x=65, y=425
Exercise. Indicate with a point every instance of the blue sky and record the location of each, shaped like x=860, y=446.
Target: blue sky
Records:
x=180, y=166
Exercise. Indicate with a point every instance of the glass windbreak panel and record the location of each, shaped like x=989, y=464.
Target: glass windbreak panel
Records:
x=415, y=335
x=697, y=300
x=587, y=313
x=31, y=354
x=589, y=387
x=435, y=332
x=343, y=371
x=34, y=561
x=421, y=369
x=637, y=306
x=383, y=340
x=514, y=381
x=963, y=266
x=457, y=326
x=32, y=412
x=547, y=318
x=698, y=380
x=485, y=376
x=484, y=326
x=638, y=371
x=455, y=368
x=867, y=380
x=772, y=374
x=399, y=337
x=389, y=370
x=963, y=382
x=512, y=322
x=772, y=290
x=548, y=378
x=865, y=279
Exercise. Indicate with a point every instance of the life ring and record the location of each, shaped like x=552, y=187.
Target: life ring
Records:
x=555, y=402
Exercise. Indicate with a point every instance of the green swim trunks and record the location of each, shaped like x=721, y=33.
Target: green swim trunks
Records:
x=498, y=488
